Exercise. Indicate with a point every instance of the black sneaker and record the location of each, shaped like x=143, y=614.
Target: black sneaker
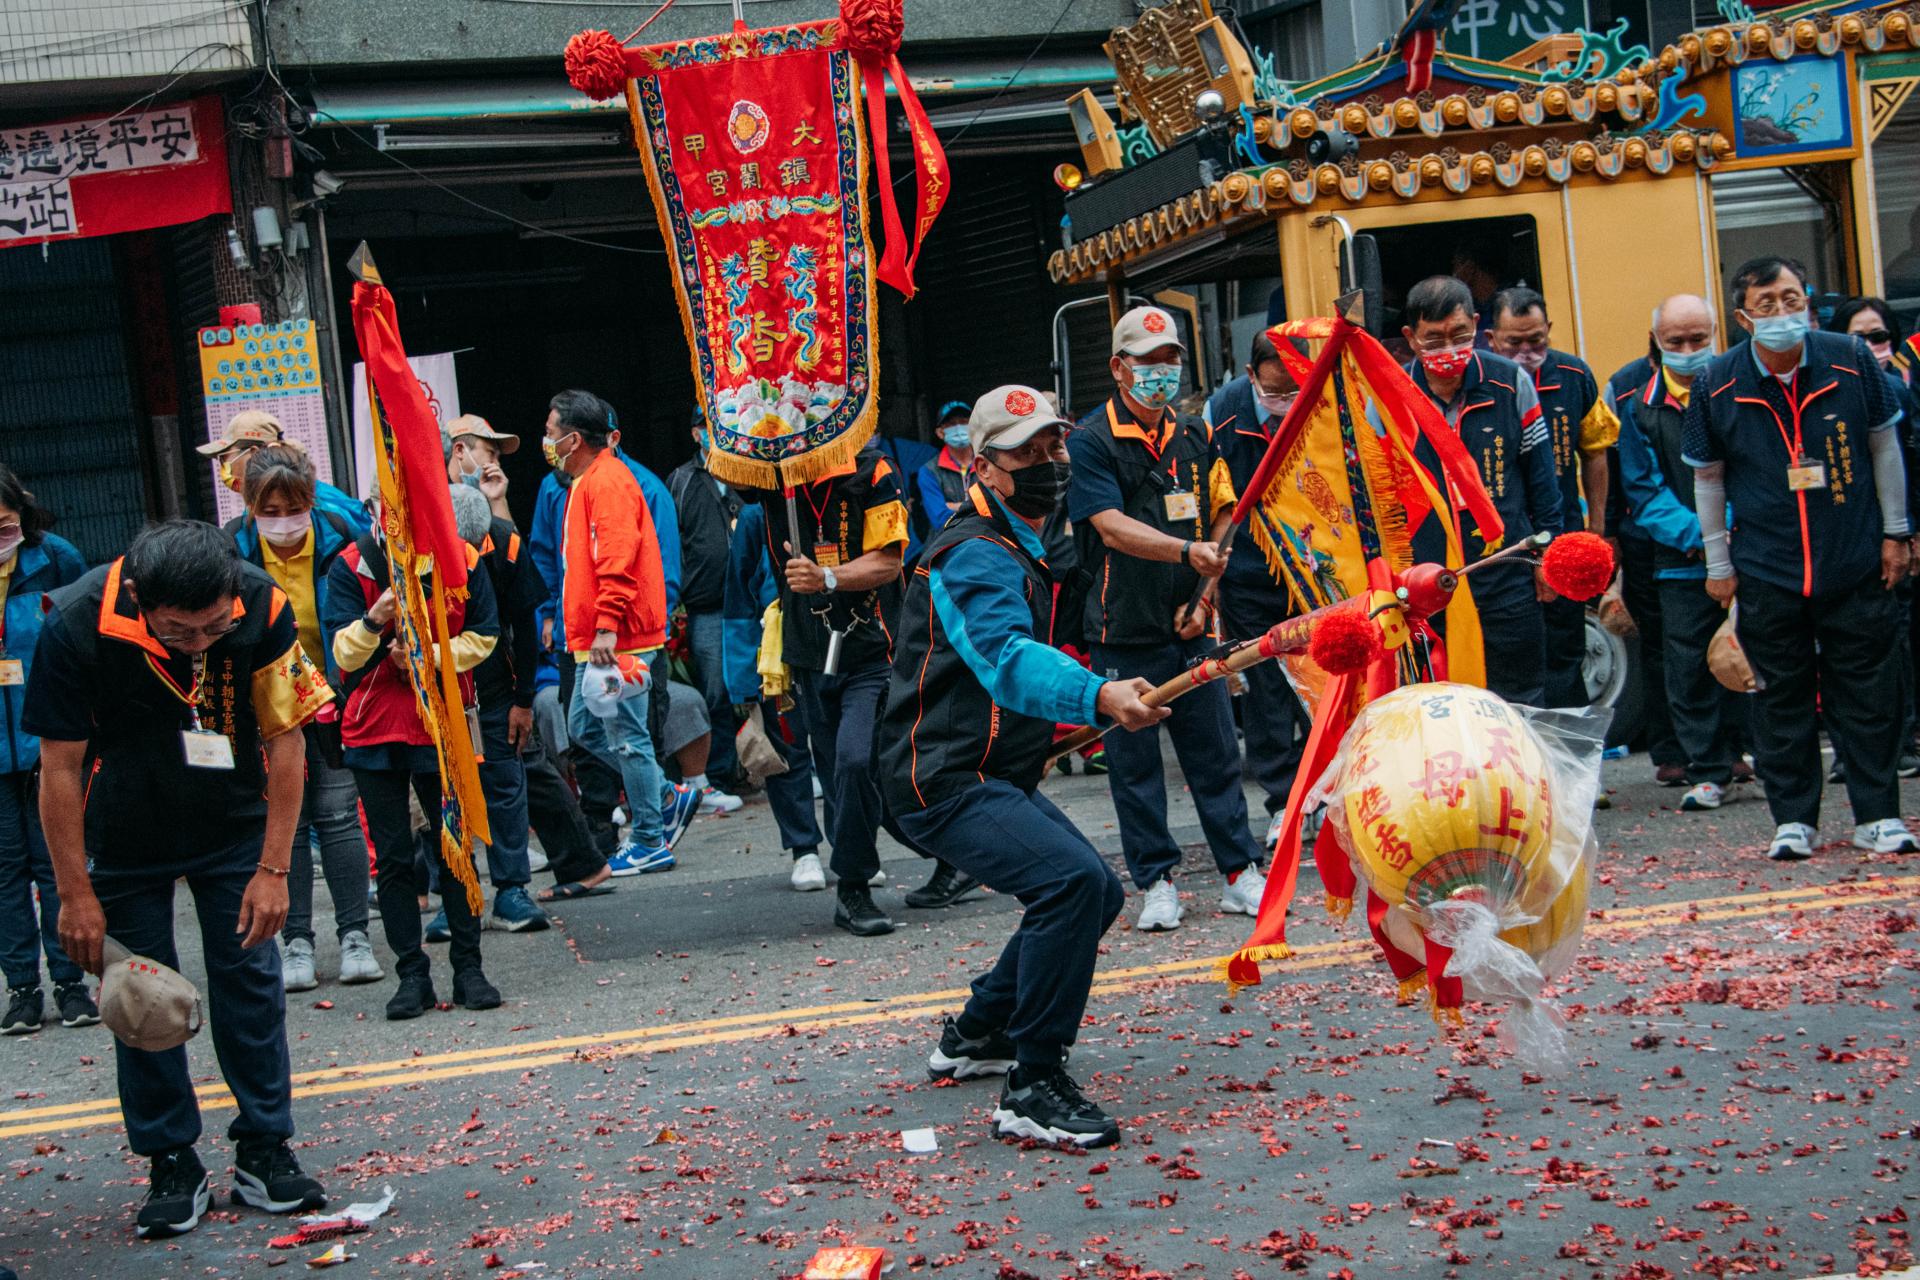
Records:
x=77, y=1008
x=947, y=886
x=414, y=998
x=266, y=1176
x=1909, y=766
x=1049, y=1106
x=959, y=1058
x=176, y=1195
x=471, y=990
x=23, y=1012
x=1097, y=762
x=856, y=913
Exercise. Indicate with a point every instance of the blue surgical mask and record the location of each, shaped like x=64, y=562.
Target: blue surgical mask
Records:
x=1783, y=332
x=471, y=479
x=1685, y=364
x=1155, y=384
x=957, y=436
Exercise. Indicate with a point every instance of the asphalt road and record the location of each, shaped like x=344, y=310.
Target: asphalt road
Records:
x=697, y=1076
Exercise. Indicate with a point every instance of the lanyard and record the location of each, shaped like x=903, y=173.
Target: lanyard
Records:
x=819, y=509
x=1796, y=447
x=189, y=696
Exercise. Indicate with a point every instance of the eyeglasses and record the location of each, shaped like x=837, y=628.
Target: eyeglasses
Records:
x=189, y=634
x=1786, y=304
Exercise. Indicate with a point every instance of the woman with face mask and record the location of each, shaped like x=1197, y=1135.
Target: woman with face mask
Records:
x=32, y=563
x=296, y=543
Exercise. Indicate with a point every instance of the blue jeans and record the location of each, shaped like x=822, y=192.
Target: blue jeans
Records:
x=328, y=810
x=246, y=1007
x=1201, y=727
x=25, y=866
x=624, y=745
x=1020, y=843
x=790, y=794
x=503, y=779
x=704, y=632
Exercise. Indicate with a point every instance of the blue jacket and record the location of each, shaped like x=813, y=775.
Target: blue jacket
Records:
x=36, y=571
x=343, y=504
x=936, y=484
x=549, y=508
x=1656, y=510
x=751, y=587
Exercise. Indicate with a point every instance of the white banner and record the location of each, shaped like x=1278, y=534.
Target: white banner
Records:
x=105, y=144
x=437, y=379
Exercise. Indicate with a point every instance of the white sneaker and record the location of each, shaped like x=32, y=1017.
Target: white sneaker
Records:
x=356, y=959
x=877, y=879
x=619, y=815
x=1792, y=842
x=1160, y=908
x=1244, y=894
x=1703, y=795
x=296, y=966
x=819, y=792
x=808, y=877
x=537, y=860
x=714, y=800
x=1889, y=835
x=1274, y=828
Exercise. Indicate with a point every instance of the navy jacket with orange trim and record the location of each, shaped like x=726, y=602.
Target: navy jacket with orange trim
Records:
x=1814, y=541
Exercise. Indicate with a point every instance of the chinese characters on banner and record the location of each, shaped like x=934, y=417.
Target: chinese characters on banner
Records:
x=1496, y=29
x=757, y=161
x=108, y=174
x=271, y=367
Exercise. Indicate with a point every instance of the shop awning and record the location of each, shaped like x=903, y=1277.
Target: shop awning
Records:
x=544, y=97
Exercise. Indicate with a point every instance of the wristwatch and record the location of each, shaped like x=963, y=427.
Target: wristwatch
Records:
x=833, y=583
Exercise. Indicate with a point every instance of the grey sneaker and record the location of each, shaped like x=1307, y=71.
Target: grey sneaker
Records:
x=296, y=965
x=356, y=959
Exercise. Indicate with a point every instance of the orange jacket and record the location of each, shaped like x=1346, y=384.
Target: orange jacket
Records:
x=613, y=577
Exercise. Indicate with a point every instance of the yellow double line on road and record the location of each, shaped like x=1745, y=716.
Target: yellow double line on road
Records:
x=603, y=1046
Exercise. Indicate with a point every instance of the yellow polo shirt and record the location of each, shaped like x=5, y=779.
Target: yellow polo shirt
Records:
x=293, y=574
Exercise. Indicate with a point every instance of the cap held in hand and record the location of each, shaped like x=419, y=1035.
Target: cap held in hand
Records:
x=147, y=1005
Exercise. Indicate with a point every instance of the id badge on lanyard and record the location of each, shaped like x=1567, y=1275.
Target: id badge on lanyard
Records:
x=204, y=748
x=1806, y=474
x=13, y=672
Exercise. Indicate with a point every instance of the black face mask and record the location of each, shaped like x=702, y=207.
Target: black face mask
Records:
x=1038, y=489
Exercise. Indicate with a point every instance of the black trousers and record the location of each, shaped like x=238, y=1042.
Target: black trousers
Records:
x=1566, y=636
x=1641, y=593
x=1840, y=647
x=599, y=784
x=383, y=794
x=1272, y=720
x=555, y=814
x=1696, y=701
x=842, y=713
x=1515, y=635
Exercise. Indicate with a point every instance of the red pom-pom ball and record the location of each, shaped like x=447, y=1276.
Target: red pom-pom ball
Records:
x=597, y=65
x=873, y=27
x=1578, y=566
x=1344, y=640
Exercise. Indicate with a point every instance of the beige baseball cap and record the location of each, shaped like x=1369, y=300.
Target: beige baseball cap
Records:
x=147, y=1005
x=249, y=426
x=1007, y=417
x=1145, y=329
x=472, y=424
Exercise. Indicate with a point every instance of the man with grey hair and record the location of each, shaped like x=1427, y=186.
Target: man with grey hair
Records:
x=1651, y=397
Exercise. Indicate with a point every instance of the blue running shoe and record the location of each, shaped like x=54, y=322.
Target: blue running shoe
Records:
x=437, y=930
x=678, y=804
x=515, y=911
x=632, y=860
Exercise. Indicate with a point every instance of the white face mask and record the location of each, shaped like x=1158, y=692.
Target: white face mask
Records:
x=281, y=530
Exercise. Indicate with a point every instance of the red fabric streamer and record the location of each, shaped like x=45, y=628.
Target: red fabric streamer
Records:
x=1579, y=566
x=416, y=433
x=871, y=32
x=1345, y=640
x=597, y=65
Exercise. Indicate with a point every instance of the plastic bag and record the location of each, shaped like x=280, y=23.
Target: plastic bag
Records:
x=758, y=756
x=1471, y=820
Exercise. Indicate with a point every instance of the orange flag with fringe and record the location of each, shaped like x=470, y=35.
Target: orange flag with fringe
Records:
x=416, y=517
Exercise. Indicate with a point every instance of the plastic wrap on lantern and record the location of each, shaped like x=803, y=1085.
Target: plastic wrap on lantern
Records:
x=1471, y=821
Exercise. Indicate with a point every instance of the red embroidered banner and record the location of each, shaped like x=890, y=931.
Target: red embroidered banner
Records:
x=757, y=153
x=105, y=175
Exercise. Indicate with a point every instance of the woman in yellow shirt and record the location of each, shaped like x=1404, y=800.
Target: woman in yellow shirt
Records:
x=296, y=544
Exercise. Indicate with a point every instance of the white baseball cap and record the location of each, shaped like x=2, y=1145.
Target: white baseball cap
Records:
x=1007, y=417
x=1145, y=329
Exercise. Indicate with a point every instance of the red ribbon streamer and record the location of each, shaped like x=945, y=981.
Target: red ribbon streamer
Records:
x=930, y=171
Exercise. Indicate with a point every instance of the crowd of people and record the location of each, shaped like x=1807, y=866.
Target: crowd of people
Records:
x=903, y=640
